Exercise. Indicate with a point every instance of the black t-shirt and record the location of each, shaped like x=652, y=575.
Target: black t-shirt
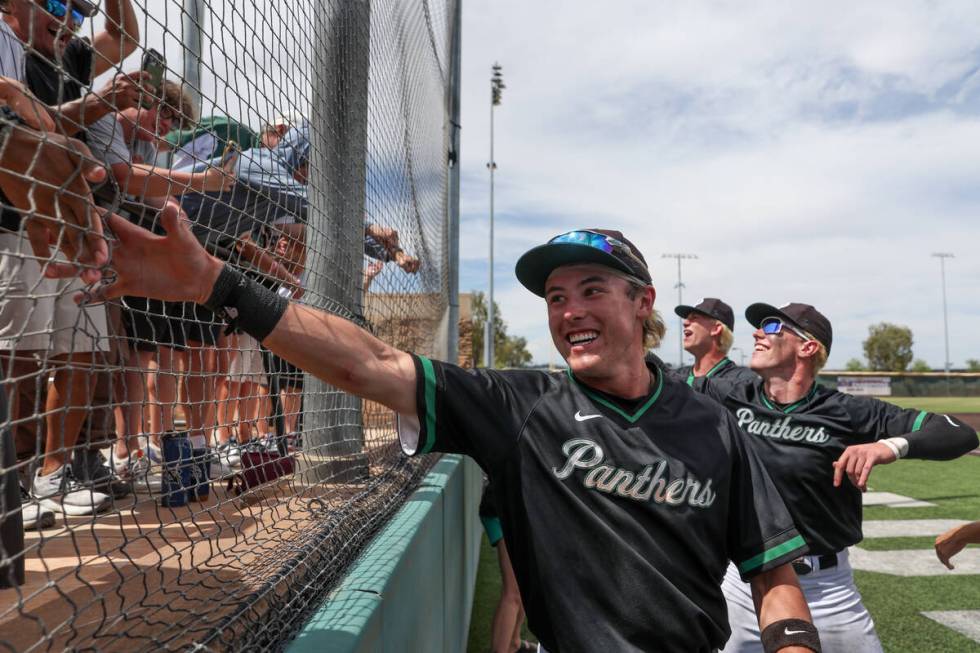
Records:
x=52, y=86
x=800, y=442
x=723, y=369
x=619, y=524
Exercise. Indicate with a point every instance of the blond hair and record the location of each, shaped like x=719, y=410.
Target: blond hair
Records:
x=653, y=326
x=820, y=358
x=726, y=338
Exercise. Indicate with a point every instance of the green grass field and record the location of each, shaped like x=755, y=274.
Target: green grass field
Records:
x=894, y=602
x=938, y=404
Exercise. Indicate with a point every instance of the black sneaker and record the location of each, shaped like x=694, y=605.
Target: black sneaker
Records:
x=90, y=468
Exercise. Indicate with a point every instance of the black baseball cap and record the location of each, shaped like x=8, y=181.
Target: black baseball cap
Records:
x=802, y=316
x=602, y=246
x=713, y=308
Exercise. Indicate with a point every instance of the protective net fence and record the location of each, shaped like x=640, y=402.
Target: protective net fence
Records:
x=168, y=483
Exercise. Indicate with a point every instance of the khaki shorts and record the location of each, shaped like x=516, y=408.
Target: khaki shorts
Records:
x=246, y=362
x=39, y=314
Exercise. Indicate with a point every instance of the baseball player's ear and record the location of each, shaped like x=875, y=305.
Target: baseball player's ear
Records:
x=809, y=348
x=717, y=329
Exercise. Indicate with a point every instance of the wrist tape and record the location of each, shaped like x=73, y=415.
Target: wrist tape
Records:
x=790, y=632
x=244, y=304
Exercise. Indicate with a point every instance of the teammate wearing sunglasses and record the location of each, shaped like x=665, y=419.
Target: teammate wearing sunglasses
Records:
x=622, y=493
x=708, y=336
x=820, y=446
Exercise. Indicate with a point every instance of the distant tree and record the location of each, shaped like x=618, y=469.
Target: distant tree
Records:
x=919, y=365
x=973, y=364
x=508, y=351
x=855, y=365
x=888, y=347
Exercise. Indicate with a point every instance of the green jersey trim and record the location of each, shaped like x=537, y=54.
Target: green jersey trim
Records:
x=919, y=420
x=430, y=404
x=720, y=364
x=771, y=554
x=793, y=406
x=613, y=407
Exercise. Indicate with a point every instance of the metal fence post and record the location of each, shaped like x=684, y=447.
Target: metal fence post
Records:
x=452, y=222
x=333, y=429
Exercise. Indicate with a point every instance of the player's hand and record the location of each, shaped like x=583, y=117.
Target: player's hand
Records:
x=173, y=267
x=46, y=175
x=857, y=462
x=949, y=544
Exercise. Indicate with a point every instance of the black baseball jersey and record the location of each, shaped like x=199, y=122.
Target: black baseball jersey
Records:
x=620, y=521
x=723, y=369
x=800, y=442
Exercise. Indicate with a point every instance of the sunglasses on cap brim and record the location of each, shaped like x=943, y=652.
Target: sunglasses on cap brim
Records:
x=595, y=240
x=773, y=325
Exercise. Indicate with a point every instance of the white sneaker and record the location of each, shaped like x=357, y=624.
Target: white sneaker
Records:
x=34, y=515
x=60, y=492
x=133, y=467
x=230, y=453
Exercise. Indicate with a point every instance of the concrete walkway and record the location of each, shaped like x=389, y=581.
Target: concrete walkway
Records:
x=893, y=500
x=965, y=622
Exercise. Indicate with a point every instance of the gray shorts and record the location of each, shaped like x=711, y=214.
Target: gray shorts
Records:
x=39, y=314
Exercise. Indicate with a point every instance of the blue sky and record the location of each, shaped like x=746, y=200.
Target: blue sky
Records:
x=815, y=153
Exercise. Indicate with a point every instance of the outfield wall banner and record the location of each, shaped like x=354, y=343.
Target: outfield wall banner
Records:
x=873, y=386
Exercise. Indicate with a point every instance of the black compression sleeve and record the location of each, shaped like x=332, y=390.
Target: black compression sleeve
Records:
x=941, y=438
x=245, y=304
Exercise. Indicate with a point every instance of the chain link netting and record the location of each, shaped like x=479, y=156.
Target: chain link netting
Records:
x=167, y=482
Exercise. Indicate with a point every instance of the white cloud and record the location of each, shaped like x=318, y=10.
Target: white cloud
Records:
x=817, y=153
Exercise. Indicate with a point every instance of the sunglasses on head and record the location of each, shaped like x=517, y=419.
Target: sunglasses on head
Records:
x=58, y=9
x=773, y=325
x=595, y=240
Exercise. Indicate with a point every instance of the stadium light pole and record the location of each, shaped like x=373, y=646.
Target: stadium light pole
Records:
x=680, y=300
x=496, y=92
x=193, y=28
x=942, y=256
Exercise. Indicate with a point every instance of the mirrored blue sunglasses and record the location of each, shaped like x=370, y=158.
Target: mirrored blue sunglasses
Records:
x=595, y=240
x=58, y=9
x=773, y=325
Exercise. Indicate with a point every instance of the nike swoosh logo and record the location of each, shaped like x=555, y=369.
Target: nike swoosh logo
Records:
x=787, y=631
x=579, y=417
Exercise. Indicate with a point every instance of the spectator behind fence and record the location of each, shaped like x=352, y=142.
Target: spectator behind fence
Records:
x=37, y=322
x=157, y=331
x=207, y=140
x=228, y=223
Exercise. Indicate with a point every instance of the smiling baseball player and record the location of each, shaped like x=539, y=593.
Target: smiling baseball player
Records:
x=820, y=446
x=623, y=494
x=708, y=336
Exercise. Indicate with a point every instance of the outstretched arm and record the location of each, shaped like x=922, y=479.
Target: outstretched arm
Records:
x=955, y=539
x=175, y=267
x=933, y=437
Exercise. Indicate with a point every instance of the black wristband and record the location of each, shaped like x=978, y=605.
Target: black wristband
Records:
x=245, y=304
x=790, y=632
